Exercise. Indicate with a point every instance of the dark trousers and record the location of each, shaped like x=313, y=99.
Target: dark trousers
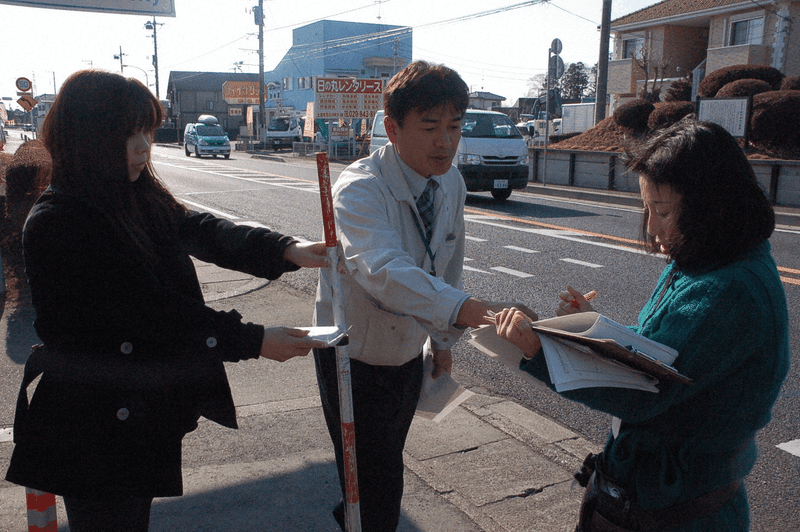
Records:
x=108, y=514
x=384, y=401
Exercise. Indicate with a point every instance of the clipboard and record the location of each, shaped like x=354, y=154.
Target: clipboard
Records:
x=629, y=357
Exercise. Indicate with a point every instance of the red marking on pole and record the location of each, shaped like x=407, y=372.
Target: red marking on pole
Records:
x=350, y=472
x=41, y=507
x=352, y=511
x=52, y=526
x=40, y=503
x=324, y=175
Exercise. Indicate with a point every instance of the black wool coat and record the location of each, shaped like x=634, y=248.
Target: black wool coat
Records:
x=133, y=356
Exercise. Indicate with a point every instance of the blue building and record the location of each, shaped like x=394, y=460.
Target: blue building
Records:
x=334, y=49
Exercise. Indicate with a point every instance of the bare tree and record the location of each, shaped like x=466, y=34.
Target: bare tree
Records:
x=537, y=85
x=651, y=67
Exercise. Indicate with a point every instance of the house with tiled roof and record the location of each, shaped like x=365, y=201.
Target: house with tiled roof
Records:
x=699, y=37
x=485, y=100
x=191, y=94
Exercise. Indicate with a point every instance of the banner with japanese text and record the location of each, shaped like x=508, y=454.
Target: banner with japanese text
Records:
x=336, y=98
x=161, y=8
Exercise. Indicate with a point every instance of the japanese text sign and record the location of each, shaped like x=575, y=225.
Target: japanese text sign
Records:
x=234, y=92
x=347, y=98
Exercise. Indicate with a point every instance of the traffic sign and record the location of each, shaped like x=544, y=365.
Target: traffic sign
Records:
x=556, y=69
x=27, y=102
x=24, y=84
x=556, y=46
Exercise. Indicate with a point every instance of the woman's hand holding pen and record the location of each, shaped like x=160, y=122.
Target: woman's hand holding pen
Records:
x=573, y=302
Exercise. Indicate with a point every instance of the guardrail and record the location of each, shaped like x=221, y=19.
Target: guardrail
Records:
x=779, y=178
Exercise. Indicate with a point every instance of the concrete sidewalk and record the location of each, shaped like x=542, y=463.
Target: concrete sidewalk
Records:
x=491, y=465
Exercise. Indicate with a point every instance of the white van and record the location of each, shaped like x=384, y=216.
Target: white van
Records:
x=378, y=136
x=492, y=155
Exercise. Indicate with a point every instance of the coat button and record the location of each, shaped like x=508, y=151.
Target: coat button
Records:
x=211, y=342
x=122, y=414
x=126, y=348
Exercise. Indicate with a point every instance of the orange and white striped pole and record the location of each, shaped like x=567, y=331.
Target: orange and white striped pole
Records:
x=352, y=510
x=41, y=511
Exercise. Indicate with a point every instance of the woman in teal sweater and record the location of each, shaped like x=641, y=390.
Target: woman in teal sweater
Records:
x=676, y=459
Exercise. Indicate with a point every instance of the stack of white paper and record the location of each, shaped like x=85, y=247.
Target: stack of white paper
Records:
x=572, y=366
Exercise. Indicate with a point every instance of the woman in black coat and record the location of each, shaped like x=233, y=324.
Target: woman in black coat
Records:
x=132, y=356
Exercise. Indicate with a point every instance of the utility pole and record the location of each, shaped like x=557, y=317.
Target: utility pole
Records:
x=396, y=44
x=152, y=25
x=260, y=23
x=121, y=66
x=602, y=65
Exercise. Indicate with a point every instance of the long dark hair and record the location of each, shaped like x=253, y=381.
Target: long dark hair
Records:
x=86, y=131
x=723, y=212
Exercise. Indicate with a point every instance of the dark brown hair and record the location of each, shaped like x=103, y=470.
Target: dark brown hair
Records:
x=723, y=212
x=422, y=86
x=86, y=131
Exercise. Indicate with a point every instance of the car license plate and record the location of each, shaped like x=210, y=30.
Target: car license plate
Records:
x=501, y=183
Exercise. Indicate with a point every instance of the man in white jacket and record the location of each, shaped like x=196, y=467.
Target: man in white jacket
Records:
x=402, y=284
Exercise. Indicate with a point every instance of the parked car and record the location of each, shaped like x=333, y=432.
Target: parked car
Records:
x=378, y=137
x=492, y=155
x=206, y=137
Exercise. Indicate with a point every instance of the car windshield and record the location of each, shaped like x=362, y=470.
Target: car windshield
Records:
x=210, y=131
x=488, y=126
x=278, y=124
x=379, y=130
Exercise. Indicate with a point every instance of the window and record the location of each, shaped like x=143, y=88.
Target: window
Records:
x=632, y=48
x=288, y=84
x=487, y=126
x=210, y=105
x=304, y=83
x=750, y=31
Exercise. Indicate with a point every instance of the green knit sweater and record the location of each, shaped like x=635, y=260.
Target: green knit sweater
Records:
x=730, y=327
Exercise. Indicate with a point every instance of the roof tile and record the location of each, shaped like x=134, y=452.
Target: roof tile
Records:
x=668, y=8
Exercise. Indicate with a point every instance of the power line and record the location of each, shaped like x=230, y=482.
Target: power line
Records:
x=765, y=8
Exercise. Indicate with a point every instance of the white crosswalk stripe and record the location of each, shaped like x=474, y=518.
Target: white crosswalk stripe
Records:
x=582, y=263
x=792, y=447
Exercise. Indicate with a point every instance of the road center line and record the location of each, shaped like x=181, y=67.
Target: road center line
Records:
x=523, y=250
x=204, y=208
x=558, y=227
x=515, y=273
x=564, y=234
x=582, y=263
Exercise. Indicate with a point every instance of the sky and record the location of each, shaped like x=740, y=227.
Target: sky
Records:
x=496, y=46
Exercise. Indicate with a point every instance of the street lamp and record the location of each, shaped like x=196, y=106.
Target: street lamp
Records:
x=153, y=26
x=120, y=56
x=146, y=78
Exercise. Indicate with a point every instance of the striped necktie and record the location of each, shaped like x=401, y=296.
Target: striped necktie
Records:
x=425, y=204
